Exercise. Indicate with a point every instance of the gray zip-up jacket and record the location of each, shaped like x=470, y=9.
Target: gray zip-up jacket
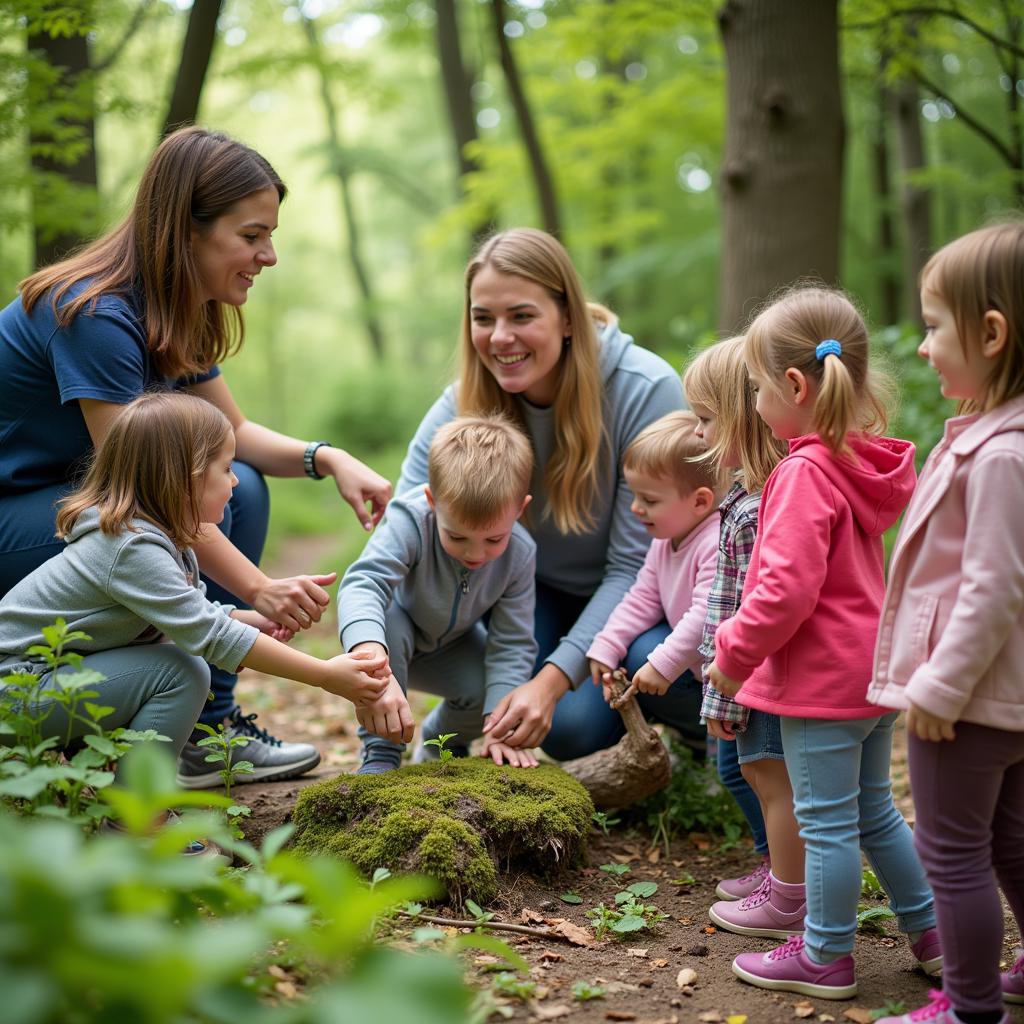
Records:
x=404, y=562
x=130, y=588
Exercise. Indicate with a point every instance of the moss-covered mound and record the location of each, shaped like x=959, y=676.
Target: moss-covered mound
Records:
x=461, y=823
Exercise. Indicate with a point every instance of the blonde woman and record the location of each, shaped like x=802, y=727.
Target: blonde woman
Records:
x=532, y=347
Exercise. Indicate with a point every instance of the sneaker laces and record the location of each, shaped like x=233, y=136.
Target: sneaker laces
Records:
x=761, y=871
x=758, y=896
x=793, y=946
x=939, y=1004
x=246, y=724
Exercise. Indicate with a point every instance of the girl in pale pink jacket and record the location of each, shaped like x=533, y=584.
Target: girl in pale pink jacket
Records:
x=951, y=645
x=801, y=644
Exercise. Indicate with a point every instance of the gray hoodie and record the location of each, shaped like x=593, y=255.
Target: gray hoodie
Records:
x=602, y=564
x=130, y=588
x=404, y=562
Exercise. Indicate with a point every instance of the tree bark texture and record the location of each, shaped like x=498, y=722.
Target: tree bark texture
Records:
x=915, y=200
x=62, y=143
x=637, y=766
x=781, y=180
x=542, y=180
x=888, y=277
x=196, y=51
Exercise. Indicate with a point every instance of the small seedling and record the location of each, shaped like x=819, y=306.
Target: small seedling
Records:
x=507, y=984
x=220, y=745
x=684, y=880
x=618, y=870
x=412, y=909
x=628, y=915
x=571, y=897
x=869, y=884
x=892, y=1008
x=444, y=755
x=380, y=875
x=603, y=822
x=582, y=991
x=869, y=919
x=480, y=916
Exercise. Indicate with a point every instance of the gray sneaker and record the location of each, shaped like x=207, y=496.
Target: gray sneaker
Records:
x=271, y=758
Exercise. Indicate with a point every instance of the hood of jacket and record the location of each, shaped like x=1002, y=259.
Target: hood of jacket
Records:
x=89, y=522
x=877, y=480
x=612, y=345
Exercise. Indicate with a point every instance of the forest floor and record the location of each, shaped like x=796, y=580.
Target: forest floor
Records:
x=639, y=975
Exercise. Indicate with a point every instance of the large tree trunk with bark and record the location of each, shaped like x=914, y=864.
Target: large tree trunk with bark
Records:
x=62, y=144
x=196, y=51
x=781, y=179
x=888, y=277
x=915, y=200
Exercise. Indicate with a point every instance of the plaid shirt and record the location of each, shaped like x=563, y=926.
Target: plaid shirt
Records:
x=735, y=544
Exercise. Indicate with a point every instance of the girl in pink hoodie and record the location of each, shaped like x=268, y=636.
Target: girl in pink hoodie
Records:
x=951, y=646
x=802, y=642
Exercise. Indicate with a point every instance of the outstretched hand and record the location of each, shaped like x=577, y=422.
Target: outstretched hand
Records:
x=295, y=602
x=358, y=485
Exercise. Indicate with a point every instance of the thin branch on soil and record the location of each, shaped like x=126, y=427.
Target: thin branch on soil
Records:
x=498, y=926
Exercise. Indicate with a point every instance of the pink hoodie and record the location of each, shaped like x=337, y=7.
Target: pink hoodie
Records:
x=803, y=639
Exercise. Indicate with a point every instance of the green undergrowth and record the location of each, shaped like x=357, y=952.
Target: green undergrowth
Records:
x=462, y=823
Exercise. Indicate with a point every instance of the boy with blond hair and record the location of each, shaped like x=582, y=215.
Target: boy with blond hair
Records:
x=444, y=556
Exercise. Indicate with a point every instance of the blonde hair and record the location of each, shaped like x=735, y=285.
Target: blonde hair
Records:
x=572, y=473
x=977, y=273
x=851, y=397
x=194, y=177
x=717, y=380
x=478, y=467
x=670, y=449
x=151, y=465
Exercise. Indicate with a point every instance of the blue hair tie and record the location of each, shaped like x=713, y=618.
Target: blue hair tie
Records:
x=829, y=347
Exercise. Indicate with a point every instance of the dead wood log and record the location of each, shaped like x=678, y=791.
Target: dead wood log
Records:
x=637, y=766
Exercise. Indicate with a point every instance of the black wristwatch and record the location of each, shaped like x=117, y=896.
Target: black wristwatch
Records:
x=309, y=458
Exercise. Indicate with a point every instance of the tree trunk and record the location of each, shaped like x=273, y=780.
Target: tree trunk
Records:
x=457, y=82
x=195, y=59
x=542, y=179
x=915, y=200
x=782, y=173
x=62, y=144
x=637, y=766
x=340, y=167
x=889, y=284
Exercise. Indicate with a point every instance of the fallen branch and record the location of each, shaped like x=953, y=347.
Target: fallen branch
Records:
x=498, y=926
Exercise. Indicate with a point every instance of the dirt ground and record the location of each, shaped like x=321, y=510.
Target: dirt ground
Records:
x=639, y=975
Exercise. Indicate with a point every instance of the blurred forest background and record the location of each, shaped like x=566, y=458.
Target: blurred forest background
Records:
x=693, y=155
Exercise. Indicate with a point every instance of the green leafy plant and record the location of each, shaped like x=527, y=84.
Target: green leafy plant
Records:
x=507, y=984
x=583, y=991
x=869, y=919
x=444, y=755
x=618, y=870
x=869, y=884
x=570, y=897
x=629, y=914
x=603, y=822
x=685, y=880
x=892, y=1008
x=480, y=916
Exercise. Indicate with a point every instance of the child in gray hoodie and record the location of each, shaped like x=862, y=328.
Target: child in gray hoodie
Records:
x=128, y=579
x=445, y=557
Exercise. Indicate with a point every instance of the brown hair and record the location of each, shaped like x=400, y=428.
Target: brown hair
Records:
x=479, y=466
x=194, y=177
x=150, y=465
x=571, y=475
x=670, y=449
x=717, y=380
x=850, y=395
x=979, y=272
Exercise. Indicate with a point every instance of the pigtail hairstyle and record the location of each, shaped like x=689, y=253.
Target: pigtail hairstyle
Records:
x=194, y=177
x=984, y=271
x=151, y=466
x=717, y=380
x=571, y=476
x=786, y=334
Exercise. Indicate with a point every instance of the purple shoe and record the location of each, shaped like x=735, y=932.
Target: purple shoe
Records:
x=740, y=888
x=1013, y=983
x=755, y=915
x=788, y=968
x=938, y=1011
x=928, y=952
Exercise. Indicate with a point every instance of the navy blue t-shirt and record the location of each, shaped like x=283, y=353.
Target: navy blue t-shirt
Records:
x=44, y=370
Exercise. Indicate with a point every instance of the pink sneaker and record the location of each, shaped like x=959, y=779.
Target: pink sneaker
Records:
x=788, y=968
x=755, y=915
x=740, y=888
x=938, y=1011
x=928, y=952
x=1013, y=983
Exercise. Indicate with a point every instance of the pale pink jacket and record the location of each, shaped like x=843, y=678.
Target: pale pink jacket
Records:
x=671, y=585
x=804, y=635
x=952, y=633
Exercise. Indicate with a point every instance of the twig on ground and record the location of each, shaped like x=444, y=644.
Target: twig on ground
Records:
x=499, y=926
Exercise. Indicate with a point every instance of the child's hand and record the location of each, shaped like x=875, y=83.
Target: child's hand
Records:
x=372, y=647
x=282, y=634
x=598, y=671
x=354, y=676
x=927, y=726
x=721, y=729
x=502, y=753
x=389, y=715
x=647, y=679
x=721, y=682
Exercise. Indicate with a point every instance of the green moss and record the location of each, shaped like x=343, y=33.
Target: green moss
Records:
x=462, y=823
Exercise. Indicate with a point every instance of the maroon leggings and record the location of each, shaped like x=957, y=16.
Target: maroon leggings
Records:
x=969, y=800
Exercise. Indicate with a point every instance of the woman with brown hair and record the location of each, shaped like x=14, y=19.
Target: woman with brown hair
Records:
x=156, y=304
x=532, y=347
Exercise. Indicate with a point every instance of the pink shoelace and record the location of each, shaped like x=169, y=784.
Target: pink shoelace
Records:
x=761, y=871
x=791, y=947
x=758, y=896
x=939, y=1004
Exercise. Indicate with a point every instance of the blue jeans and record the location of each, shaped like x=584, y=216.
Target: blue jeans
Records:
x=583, y=722
x=27, y=540
x=732, y=778
x=842, y=797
